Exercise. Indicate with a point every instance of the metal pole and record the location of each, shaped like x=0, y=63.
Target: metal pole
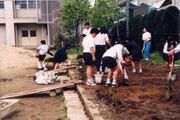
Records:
x=48, y=31
x=127, y=18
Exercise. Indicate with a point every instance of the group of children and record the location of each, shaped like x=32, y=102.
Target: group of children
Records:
x=59, y=56
x=95, y=53
x=115, y=57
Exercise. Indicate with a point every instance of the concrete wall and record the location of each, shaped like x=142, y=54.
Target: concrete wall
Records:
x=2, y=34
x=30, y=42
x=2, y=15
x=26, y=13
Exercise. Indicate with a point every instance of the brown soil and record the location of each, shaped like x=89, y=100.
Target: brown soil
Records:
x=17, y=66
x=143, y=99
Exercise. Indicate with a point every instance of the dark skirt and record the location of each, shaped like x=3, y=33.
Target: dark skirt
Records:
x=176, y=57
x=109, y=62
x=88, y=60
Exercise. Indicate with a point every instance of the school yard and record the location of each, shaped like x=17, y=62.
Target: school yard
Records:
x=143, y=99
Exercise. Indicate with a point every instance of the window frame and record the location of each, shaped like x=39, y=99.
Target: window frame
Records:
x=33, y=35
x=1, y=4
x=26, y=34
x=25, y=4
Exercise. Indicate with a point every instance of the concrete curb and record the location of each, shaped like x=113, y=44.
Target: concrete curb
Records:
x=90, y=107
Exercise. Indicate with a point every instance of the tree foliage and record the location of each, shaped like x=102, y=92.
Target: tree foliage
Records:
x=105, y=13
x=73, y=12
x=161, y=24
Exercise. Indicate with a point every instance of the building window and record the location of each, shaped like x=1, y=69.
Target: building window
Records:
x=25, y=33
x=25, y=4
x=31, y=4
x=1, y=4
x=33, y=33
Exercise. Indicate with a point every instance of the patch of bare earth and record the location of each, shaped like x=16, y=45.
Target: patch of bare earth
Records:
x=17, y=66
x=143, y=99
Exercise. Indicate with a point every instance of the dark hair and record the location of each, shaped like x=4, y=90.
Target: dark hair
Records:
x=94, y=30
x=169, y=39
x=87, y=24
x=103, y=30
x=43, y=42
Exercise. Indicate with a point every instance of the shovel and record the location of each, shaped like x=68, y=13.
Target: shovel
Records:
x=171, y=77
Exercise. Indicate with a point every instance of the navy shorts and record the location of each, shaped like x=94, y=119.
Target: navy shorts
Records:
x=109, y=62
x=41, y=57
x=88, y=59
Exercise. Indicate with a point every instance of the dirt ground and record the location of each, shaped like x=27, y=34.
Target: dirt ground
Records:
x=143, y=99
x=16, y=69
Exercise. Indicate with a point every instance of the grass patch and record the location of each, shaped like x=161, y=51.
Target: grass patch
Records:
x=74, y=51
x=156, y=58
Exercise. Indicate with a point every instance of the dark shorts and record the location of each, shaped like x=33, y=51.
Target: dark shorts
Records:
x=88, y=59
x=137, y=57
x=109, y=62
x=41, y=57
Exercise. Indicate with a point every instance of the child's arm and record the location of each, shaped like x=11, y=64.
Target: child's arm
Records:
x=49, y=52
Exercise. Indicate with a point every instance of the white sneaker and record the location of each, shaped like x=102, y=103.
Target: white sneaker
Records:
x=134, y=70
x=147, y=59
x=90, y=82
x=114, y=84
x=108, y=82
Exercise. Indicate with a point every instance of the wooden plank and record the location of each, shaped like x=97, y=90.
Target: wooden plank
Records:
x=39, y=90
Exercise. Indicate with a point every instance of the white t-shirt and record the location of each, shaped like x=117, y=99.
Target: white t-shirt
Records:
x=101, y=39
x=117, y=52
x=43, y=49
x=146, y=36
x=87, y=43
x=86, y=31
x=177, y=49
x=165, y=50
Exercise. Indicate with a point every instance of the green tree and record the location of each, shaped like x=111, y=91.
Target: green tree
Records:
x=73, y=13
x=105, y=13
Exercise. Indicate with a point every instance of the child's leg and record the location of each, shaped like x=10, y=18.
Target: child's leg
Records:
x=89, y=72
x=115, y=75
x=43, y=65
x=133, y=66
x=140, y=67
x=56, y=65
x=40, y=65
x=109, y=77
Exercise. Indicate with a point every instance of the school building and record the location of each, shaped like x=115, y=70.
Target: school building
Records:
x=23, y=23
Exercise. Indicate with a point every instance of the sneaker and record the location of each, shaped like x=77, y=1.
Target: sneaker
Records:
x=114, y=84
x=134, y=71
x=91, y=83
x=108, y=82
x=147, y=59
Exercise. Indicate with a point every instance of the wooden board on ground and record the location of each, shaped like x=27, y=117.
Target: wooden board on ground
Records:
x=39, y=90
x=49, y=89
x=9, y=109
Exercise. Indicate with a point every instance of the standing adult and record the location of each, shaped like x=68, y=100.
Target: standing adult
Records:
x=87, y=29
x=100, y=45
x=89, y=55
x=146, y=37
